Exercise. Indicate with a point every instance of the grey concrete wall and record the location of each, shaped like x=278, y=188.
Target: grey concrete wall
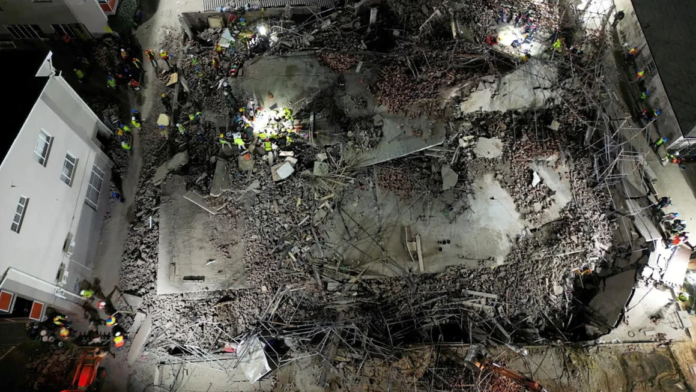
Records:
x=87, y=12
x=55, y=208
x=630, y=32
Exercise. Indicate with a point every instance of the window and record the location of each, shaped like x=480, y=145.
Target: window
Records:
x=650, y=65
x=25, y=31
x=71, y=30
x=94, y=187
x=69, y=245
x=19, y=214
x=43, y=145
x=68, y=169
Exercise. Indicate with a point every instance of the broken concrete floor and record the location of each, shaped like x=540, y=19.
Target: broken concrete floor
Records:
x=197, y=251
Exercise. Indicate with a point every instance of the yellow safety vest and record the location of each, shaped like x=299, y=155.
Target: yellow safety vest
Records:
x=118, y=341
x=238, y=141
x=268, y=146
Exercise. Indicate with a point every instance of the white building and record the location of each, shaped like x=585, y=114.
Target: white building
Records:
x=24, y=21
x=54, y=178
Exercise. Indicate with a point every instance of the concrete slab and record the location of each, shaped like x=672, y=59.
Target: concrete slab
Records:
x=529, y=86
x=196, y=377
x=478, y=236
x=190, y=238
x=488, y=148
x=138, y=342
x=222, y=182
x=294, y=81
x=400, y=138
x=609, y=303
x=178, y=161
x=160, y=174
x=676, y=268
x=449, y=177
x=200, y=201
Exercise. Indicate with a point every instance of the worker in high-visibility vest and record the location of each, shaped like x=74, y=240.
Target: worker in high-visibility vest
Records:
x=216, y=63
x=238, y=141
x=224, y=143
x=640, y=74
x=557, y=44
x=119, y=340
x=165, y=56
x=80, y=75
x=64, y=332
x=267, y=145
x=111, y=321
x=125, y=145
x=150, y=54
x=135, y=122
x=60, y=320
x=218, y=48
x=111, y=82
x=124, y=54
x=137, y=63
x=87, y=293
x=181, y=129
x=125, y=128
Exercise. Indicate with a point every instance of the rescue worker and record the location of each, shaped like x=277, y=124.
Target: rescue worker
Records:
x=111, y=82
x=118, y=340
x=656, y=145
x=125, y=145
x=150, y=54
x=138, y=64
x=557, y=44
x=64, y=332
x=216, y=63
x=102, y=304
x=166, y=102
x=163, y=131
x=640, y=74
x=80, y=75
x=238, y=141
x=60, y=320
x=135, y=122
x=199, y=73
x=165, y=56
x=87, y=293
x=267, y=145
x=134, y=85
x=218, y=49
x=135, y=113
x=664, y=202
x=224, y=143
x=194, y=60
x=228, y=98
x=124, y=54
x=125, y=128
x=644, y=95
x=181, y=129
x=111, y=321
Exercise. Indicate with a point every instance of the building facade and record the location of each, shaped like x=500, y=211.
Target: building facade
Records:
x=24, y=21
x=659, y=30
x=55, y=180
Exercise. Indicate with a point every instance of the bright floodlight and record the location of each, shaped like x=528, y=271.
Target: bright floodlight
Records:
x=262, y=30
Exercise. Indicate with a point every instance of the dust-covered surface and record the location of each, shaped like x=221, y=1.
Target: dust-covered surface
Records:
x=391, y=187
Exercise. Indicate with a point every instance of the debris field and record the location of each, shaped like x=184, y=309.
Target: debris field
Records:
x=284, y=170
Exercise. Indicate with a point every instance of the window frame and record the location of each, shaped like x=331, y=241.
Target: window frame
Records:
x=18, y=218
x=68, y=179
x=93, y=192
x=49, y=142
x=25, y=31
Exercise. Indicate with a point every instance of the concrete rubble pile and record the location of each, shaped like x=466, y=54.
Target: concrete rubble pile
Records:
x=279, y=194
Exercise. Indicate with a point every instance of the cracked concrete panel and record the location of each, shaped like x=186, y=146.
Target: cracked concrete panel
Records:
x=527, y=87
x=197, y=251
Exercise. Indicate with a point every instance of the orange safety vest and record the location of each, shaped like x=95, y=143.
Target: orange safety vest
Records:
x=150, y=54
x=119, y=341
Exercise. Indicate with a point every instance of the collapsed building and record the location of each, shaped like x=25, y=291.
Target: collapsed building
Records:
x=331, y=189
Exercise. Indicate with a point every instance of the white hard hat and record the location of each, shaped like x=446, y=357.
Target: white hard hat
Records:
x=178, y=125
x=132, y=118
x=225, y=93
x=118, y=333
